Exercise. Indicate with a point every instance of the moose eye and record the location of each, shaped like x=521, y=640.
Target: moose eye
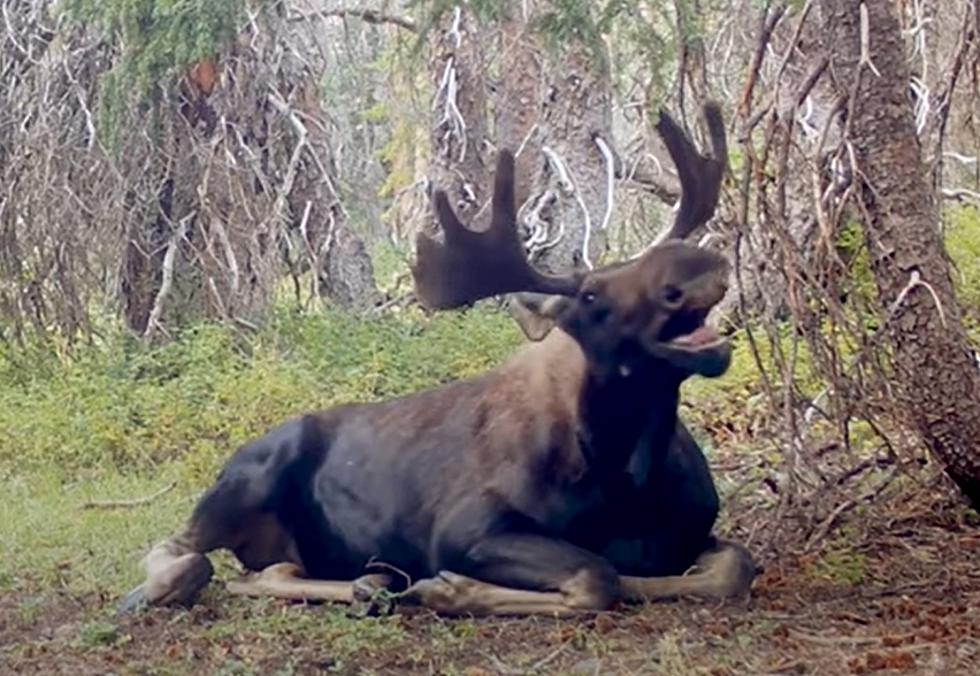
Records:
x=672, y=295
x=588, y=297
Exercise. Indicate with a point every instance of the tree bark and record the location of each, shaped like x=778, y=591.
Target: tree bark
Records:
x=556, y=108
x=341, y=262
x=459, y=129
x=936, y=378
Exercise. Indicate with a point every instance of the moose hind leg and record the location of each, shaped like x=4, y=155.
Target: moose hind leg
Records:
x=178, y=568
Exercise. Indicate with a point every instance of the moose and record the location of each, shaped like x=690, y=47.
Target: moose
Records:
x=560, y=482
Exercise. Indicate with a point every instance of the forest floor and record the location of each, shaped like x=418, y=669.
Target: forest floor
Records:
x=894, y=587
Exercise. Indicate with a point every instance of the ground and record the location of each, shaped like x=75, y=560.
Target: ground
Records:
x=893, y=587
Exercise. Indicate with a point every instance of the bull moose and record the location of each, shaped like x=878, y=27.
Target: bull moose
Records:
x=557, y=483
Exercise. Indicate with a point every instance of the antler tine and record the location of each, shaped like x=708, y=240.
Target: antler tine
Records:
x=471, y=265
x=503, y=204
x=451, y=226
x=700, y=175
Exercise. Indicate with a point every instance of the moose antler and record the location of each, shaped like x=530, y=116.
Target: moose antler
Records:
x=471, y=265
x=700, y=175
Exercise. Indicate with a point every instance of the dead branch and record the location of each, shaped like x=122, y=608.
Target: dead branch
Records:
x=126, y=504
x=767, y=24
x=153, y=323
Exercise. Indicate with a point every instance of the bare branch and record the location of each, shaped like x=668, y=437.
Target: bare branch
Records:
x=134, y=502
x=153, y=323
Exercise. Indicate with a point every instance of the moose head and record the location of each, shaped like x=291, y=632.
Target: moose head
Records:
x=650, y=310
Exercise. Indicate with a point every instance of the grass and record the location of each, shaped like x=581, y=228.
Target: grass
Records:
x=50, y=542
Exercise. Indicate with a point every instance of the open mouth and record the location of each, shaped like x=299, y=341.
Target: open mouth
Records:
x=701, y=338
x=690, y=333
x=693, y=346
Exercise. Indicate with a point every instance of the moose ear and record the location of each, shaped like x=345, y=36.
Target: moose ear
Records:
x=536, y=313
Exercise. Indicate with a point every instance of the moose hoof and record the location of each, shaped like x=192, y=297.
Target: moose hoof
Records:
x=133, y=601
x=366, y=587
x=369, y=597
x=446, y=593
x=178, y=583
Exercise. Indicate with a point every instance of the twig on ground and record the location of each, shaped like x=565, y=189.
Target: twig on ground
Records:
x=125, y=504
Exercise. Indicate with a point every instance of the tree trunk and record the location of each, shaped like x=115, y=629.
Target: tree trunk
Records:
x=936, y=378
x=459, y=129
x=556, y=108
x=338, y=256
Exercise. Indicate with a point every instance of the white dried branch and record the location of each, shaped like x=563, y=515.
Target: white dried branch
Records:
x=537, y=240
x=961, y=158
x=229, y=252
x=915, y=280
x=167, y=276
x=918, y=34
x=447, y=95
x=558, y=166
x=610, y=180
x=866, y=42
x=568, y=185
x=454, y=31
x=922, y=106
x=961, y=194
x=366, y=15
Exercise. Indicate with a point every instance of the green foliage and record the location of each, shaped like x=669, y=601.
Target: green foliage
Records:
x=390, y=265
x=841, y=568
x=852, y=248
x=156, y=40
x=737, y=395
x=51, y=543
x=129, y=407
x=398, y=155
x=98, y=634
x=571, y=21
x=962, y=243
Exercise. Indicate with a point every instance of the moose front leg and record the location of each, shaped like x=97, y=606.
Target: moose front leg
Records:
x=724, y=571
x=287, y=581
x=668, y=549
x=520, y=575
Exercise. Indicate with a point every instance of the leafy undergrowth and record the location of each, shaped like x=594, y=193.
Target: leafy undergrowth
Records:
x=962, y=230
x=124, y=407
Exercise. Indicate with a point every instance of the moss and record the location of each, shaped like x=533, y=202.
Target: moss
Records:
x=852, y=249
x=962, y=239
x=841, y=568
